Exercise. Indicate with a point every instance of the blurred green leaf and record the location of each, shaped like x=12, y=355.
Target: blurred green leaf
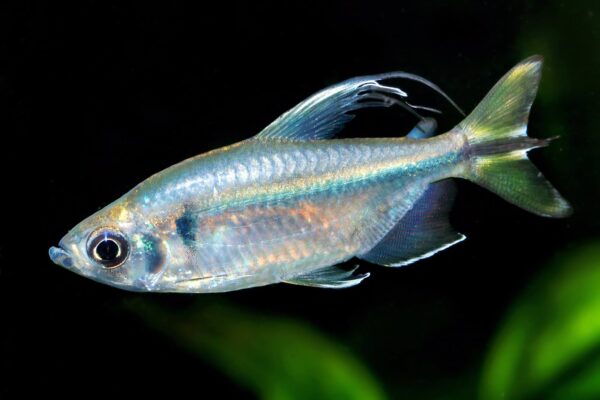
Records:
x=277, y=358
x=568, y=99
x=549, y=346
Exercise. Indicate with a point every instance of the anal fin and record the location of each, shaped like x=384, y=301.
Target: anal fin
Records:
x=422, y=232
x=332, y=277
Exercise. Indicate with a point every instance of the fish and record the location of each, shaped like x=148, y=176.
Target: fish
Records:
x=293, y=203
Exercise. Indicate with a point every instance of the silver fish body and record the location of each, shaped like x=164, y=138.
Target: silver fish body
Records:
x=259, y=213
x=289, y=205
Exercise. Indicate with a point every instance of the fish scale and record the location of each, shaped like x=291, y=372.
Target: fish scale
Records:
x=265, y=248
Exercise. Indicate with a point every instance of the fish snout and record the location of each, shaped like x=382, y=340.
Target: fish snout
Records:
x=60, y=257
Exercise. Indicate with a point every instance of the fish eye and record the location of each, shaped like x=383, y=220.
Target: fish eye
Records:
x=108, y=247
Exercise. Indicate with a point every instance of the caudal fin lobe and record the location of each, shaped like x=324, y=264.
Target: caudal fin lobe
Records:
x=496, y=132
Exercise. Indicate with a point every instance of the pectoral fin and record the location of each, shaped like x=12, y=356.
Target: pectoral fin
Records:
x=329, y=277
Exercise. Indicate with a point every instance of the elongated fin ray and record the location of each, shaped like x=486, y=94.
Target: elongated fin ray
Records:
x=329, y=277
x=422, y=232
x=420, y=79
x=325, y=113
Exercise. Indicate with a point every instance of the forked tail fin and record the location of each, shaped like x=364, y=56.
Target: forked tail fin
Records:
x=496, y=132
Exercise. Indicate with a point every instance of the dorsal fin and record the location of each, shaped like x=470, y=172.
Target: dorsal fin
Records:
x=422, y=232
x=324, y=114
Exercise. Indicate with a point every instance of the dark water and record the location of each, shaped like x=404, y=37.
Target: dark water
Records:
x=99, y=95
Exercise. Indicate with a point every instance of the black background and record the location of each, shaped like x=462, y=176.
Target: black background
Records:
x=96, y=96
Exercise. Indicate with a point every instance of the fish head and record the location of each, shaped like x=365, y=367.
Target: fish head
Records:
x=114, y=246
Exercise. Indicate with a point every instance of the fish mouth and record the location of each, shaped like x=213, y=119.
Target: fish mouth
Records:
x=60, y=257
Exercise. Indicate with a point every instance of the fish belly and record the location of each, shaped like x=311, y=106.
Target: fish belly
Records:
x=274, y=241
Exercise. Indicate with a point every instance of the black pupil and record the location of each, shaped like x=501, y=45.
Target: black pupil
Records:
x=107, y=250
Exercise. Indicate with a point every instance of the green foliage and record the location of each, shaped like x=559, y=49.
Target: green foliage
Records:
x=549, y=346
x=567, y=35
x=276, y=358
